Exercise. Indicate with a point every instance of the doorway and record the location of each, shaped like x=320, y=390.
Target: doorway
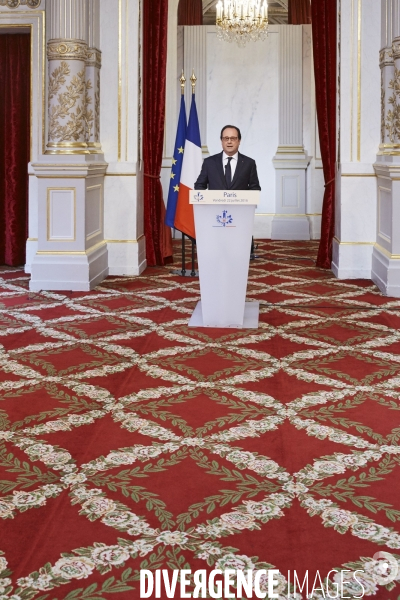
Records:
x=15, y=142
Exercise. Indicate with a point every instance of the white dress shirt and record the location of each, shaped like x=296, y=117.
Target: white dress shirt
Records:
x=233, y=162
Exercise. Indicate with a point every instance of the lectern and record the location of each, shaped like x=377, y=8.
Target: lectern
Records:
x=224, y=224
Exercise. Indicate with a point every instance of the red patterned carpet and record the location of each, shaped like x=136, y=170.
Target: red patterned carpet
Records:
x=129, y=441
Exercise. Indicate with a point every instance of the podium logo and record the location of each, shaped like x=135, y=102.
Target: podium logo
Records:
x=198, y=197
x=224, y=220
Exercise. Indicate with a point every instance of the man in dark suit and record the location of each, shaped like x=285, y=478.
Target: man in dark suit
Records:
x=229, y=170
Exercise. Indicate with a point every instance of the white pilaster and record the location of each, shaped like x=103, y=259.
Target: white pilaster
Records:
x=172, y=82
x=291, y=160
x=314, y=174
x=67, y=19
x=358, y=133
x=195, y=58
x=94, y=24
x=172, y=96
x=290, y=89
x=120, y=35
x=93, y=66
x=386, y=252
x=191, y=55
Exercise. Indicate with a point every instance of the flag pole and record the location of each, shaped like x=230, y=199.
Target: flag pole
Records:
x=193, y=273
x=185, y=272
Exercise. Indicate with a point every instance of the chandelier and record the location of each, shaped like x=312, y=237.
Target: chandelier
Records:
x=242, y=21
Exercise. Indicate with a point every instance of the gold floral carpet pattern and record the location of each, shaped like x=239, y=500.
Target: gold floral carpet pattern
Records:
x=129, y=441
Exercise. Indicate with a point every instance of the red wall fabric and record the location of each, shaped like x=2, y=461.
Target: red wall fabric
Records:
x=15, y=64
x=299, y=12
x=324, y=17
x=158, y=237
x=190, y=12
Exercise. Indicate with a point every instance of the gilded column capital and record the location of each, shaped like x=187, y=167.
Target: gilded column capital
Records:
x=16, y=3
x=93, y=58
x=67, y=50
x=385, y=57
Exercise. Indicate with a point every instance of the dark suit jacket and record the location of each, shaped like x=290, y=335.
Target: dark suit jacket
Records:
x=212, y=174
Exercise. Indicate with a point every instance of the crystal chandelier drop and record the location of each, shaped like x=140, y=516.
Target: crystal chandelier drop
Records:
x=242, y=21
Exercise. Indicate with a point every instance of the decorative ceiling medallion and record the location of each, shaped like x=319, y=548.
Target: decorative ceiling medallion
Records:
x=17, y=3
x=242, y=21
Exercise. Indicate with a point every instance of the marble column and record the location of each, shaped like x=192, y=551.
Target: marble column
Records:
x=291, y=160
x=66, y=88
x=72, y=253
x=386, y=252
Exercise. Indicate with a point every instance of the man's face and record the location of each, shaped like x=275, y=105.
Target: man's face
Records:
x=230, y=141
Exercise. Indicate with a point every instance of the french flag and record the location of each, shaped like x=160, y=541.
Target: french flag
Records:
x=191, y=167
x=177, y=162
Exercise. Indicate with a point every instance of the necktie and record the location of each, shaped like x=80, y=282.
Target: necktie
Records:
x=228, y=172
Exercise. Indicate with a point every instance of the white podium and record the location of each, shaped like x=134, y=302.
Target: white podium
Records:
x=224, y=224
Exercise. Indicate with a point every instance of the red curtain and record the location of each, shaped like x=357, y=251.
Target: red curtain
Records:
x=324, y=44
x=158, y=236
x=15, y=62
x=299, y=12
x=190, y=12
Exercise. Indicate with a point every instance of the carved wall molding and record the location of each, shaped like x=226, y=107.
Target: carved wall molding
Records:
x=383, y=104
x=67, y=50
x=88, y=115
x=16, y=3
x=396, y=48
x=93, y=58
x=385, y=57
x=393, y=116
x=67, y=112
x=93, y=66
x=92, y=108
x=97, y=112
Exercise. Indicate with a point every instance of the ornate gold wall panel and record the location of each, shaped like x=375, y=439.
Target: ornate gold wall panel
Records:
x=16, y=3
